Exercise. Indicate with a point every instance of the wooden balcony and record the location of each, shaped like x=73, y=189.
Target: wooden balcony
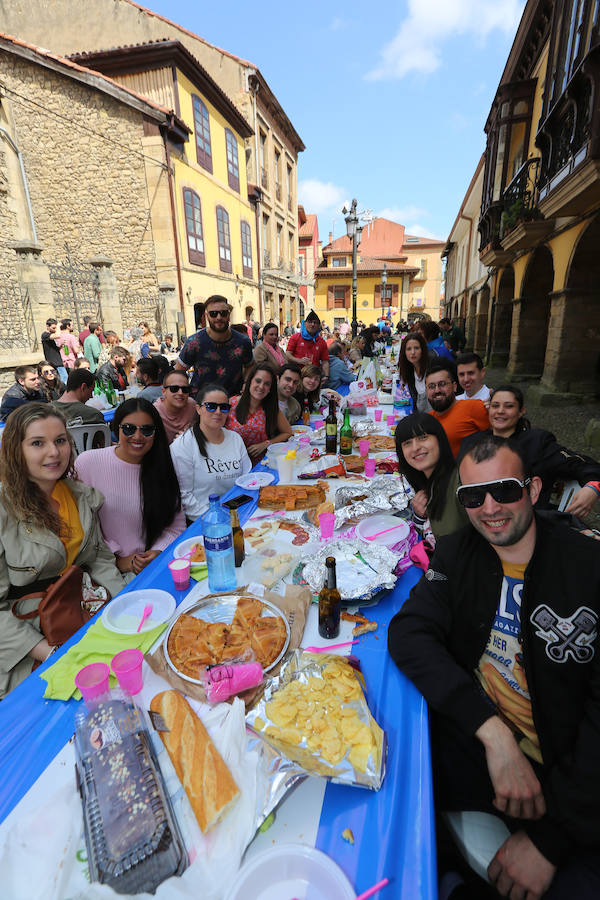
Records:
x=521, y=223
x=491, y=251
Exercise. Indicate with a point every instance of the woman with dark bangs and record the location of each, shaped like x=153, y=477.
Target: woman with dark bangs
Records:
x=412, y=365
x=425, y=459
x=255, y=414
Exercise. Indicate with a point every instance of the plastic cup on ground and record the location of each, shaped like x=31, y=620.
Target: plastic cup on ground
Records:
x=370, y=467
x=363, y=448
x=377, y=414
x=326, y=524
x=285, y=467
x=92, y=680
x=180, y=571
x=127, y=666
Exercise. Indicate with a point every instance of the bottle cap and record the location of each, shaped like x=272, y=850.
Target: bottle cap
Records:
x=330, y=562
x=212, y=497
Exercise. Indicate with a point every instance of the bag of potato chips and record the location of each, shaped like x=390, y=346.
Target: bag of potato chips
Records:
x=315, y=713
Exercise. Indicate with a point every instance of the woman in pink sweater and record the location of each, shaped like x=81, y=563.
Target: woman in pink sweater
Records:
x=142, y=512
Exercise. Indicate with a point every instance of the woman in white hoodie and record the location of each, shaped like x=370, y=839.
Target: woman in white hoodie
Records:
x=208, y=458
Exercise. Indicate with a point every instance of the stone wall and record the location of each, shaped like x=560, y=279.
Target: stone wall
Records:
x=83, y=157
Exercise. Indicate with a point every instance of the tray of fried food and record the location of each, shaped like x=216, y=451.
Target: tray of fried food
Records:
x=226, y=629
x=316, y=714
x=379, y=442
x=292, y=496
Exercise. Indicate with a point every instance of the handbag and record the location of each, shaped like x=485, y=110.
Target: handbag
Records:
x=60, y=607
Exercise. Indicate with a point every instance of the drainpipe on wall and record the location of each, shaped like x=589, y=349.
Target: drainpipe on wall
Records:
x=173, y=220
x=252, y=82
x=7, y=137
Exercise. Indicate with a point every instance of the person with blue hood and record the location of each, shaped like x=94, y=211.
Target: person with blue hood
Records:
x=306, y=347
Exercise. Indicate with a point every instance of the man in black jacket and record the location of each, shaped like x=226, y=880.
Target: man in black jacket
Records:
x=501, y=637
x=26, y=389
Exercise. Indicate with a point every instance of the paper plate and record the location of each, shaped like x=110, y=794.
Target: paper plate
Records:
x=122, y=615
x=291, y=870
x=302, y=429
x=253, y=481
x=380, y=523
x=185, y=547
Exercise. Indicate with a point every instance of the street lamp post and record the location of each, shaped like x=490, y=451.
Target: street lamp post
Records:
x=353, y=230
x=383, y=288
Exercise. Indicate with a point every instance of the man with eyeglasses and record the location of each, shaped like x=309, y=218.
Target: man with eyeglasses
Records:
x=457, y=419
x=176, y=408
x=216, y=353
x=501, y=638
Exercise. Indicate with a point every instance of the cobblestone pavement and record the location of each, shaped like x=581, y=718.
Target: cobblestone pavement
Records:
x=567, y=423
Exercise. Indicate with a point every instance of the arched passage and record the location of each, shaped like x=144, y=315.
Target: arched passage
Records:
x=531, y=316
x=502, y=322
x=573, y=354
x=470, y=323
x=481, y=322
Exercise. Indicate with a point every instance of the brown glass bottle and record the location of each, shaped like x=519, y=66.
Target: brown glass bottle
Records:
x=331, y=429
x=305, y=413
x=239, y=550
x=330, y=603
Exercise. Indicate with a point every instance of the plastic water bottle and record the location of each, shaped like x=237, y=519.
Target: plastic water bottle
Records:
x=218, y=546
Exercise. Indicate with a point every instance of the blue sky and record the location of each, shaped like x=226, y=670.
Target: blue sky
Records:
x=390, y=98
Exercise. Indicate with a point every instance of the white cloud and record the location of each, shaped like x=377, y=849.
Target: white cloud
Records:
x=321, y=196
x=421, y=231
x=417, y=45
x=402, y=214
x=338, y=24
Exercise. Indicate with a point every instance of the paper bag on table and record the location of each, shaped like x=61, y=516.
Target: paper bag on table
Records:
x=294, y=606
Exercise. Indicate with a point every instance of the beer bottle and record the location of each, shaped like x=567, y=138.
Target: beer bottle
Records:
x=239, y=550
x=346, y=435
x=331, y=429
x=305, y=413
x=330, y=603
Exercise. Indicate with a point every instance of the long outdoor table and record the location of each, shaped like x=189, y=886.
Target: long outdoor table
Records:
x=393, y=828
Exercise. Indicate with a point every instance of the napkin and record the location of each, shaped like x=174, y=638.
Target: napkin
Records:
x=97, y=645
x=200, y=572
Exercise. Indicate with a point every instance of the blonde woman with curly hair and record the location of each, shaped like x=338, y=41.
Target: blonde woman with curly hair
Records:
x=48, y=522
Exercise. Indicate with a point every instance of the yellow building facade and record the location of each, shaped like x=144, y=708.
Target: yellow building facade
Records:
x=203, y=221
x=413, y=272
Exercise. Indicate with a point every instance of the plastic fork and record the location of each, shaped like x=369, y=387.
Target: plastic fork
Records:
x=331, y=647
x=373, y=890
x=145, y=614
x=371, y=537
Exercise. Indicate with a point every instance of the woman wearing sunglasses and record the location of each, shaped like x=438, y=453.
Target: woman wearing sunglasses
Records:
x=208, y=458
x=176, y=408
x=546, y=457
x=425, y=459
x=48, y=522
x=50, y=384
x=255, y=414
x=142, y=511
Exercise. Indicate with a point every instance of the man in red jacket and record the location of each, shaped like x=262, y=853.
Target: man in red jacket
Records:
x=306, y=347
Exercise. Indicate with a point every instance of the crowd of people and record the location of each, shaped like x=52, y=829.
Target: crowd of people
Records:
x=500, y=635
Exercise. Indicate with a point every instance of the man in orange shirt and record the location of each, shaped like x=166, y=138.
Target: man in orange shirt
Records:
x=457, y=419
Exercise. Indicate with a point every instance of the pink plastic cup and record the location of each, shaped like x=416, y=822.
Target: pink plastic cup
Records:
x=319, y=423
x=370, y=467
x=326, y=524
x=127, y=666
x=363, y=448
x=390, y=421
x=92, y=680
x=378, y=413
x=180, y=570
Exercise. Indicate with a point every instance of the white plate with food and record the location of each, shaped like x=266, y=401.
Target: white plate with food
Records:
x=193, y=546
x=123, y=614
x=253, y=481
x=301, y=429
x=223, y=630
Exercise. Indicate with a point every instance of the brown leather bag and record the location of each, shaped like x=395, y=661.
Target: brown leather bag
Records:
x=60, y=610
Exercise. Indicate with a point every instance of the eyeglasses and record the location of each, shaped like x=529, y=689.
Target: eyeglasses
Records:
x=184, y=388
x=213, y=313
x=129, y=429
x=432, y=385
x=212, y=407
x=506, y=490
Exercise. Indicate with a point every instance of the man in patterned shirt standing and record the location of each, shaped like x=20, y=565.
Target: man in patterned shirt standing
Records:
x=216, y=353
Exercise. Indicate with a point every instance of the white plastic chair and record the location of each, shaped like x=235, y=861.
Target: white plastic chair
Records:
x=89, y=437
x=478, y=836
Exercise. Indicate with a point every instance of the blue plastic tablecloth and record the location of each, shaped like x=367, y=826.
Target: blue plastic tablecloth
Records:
x=393, y=828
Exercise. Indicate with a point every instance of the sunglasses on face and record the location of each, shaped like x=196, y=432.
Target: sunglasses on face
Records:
x=506, y=490
x=129, y=429
x=212, y=407
x=213, y=313
x=184, y=388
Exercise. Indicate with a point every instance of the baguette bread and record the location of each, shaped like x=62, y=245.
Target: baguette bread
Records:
x=204, y=776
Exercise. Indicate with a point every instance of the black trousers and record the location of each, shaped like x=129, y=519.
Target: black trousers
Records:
x=461, y=782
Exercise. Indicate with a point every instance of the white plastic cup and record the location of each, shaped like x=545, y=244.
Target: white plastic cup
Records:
x=285, y=467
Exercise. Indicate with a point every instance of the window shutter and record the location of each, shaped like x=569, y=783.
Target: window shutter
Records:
x=377, y=297
x=395, y=295
x=347, y=297
x=330, y=300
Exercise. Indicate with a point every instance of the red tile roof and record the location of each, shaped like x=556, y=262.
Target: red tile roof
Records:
x=365, y=265
x=382, y=238
x=308, y=229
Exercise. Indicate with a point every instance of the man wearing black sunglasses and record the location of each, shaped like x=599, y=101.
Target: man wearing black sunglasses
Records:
x=217, y=353
x=176, y=407
x=501, y=637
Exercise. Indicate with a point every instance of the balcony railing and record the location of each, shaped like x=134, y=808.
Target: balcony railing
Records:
x=520, y=197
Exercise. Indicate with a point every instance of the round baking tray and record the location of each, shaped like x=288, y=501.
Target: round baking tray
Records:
x=222, y=609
